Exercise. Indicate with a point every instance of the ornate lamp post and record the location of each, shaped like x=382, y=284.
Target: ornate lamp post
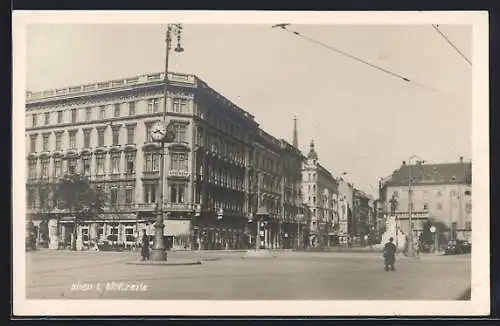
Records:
x=410, y=203
x=163, y=133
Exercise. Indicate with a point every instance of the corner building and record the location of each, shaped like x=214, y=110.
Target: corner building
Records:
x=440, y=192
x=321, y=191
x=102, y=130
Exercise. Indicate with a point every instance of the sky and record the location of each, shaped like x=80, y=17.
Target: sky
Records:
x=363, y=121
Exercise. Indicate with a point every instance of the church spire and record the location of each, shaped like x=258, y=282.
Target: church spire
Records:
x=295, y=133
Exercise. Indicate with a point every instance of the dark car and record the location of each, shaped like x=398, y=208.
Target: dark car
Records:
x=467, y=247
x=457, y=247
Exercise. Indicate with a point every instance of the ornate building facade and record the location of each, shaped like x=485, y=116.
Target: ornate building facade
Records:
x=320, y=191
x=218, y=163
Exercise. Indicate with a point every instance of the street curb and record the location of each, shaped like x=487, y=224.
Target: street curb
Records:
x=164, y=263
x=211, y=259
x=259, y=255
x=215, y=251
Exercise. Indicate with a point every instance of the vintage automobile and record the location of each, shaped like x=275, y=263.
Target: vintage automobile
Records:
x=457, y=247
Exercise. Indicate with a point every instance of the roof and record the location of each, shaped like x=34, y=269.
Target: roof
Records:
x=361, y=194
x=312, y=153
x=441, y=173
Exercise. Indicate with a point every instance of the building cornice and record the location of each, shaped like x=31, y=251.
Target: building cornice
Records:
x=98, y=123
x=83, y=94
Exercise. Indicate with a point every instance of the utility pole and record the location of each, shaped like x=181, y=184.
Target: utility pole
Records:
x=410, y=205
x=257, y=217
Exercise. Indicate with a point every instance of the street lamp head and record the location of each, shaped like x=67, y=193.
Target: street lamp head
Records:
x=179, y=48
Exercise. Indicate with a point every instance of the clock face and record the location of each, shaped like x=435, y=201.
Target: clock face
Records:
x=158, y=131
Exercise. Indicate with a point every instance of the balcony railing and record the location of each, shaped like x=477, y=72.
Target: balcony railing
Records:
x=143, y=79
x=145, y=206
x=178, y=207
x=151, y=174
x=179, y=173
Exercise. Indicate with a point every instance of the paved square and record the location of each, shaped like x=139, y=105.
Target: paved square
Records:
x=224, y=275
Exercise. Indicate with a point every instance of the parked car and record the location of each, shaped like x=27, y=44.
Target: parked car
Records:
x=467, y=247
x=457, y=247
x=426, y=247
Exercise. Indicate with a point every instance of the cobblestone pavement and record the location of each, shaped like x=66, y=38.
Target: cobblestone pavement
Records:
x=224, y=275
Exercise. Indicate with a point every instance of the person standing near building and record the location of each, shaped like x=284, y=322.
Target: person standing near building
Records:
x=145, y=246
x=390, y=255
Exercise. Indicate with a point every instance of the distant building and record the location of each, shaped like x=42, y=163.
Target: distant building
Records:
x=362, y=214
x=440, y=192
x=320, y=191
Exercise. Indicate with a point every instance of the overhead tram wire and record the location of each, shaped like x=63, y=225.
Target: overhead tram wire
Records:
x=403, y=78
x=436, y=28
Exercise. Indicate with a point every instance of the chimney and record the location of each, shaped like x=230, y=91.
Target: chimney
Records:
x=404, y=163
x=461, y=159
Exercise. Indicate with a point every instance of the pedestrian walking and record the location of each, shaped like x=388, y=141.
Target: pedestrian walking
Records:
x=390, y=255
x=145, y=246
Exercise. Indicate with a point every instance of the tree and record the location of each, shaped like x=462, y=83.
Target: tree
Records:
x=427, y=237
x=76, y=194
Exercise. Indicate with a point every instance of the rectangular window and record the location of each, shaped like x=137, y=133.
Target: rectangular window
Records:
x=88, y=114
x=130, y=163
x=116, y=136
x=468, y=225
x=102, y=112
x=180, y=133
x=86, y=166
x=100, y=137
x=60, y=116
x=179, y=105
x=426, y=207
x=130, y=135
x=115, y=164
x=150, y=193
x=72, y=139
x=129, y=195
x=114, y=196
x=116, y=112
x=45, y=168
x=156, y=160
x=199, y=137
x=59, y=141
x=100, y=165
x=86, y=138
x=439, y=206
x=151, y=162
x=454, y=225
x=32, y=169
x=179, y=161
x=73, y=115
x=149, y=126
x=177, y=193
x=58, y=168
x=45, y=142
x=33, y=143
x=72, y=166
x=131, y=108
x=34, y=121
x=153, y=105
x=31, y=198
x=47, y=118
x=148, y=162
